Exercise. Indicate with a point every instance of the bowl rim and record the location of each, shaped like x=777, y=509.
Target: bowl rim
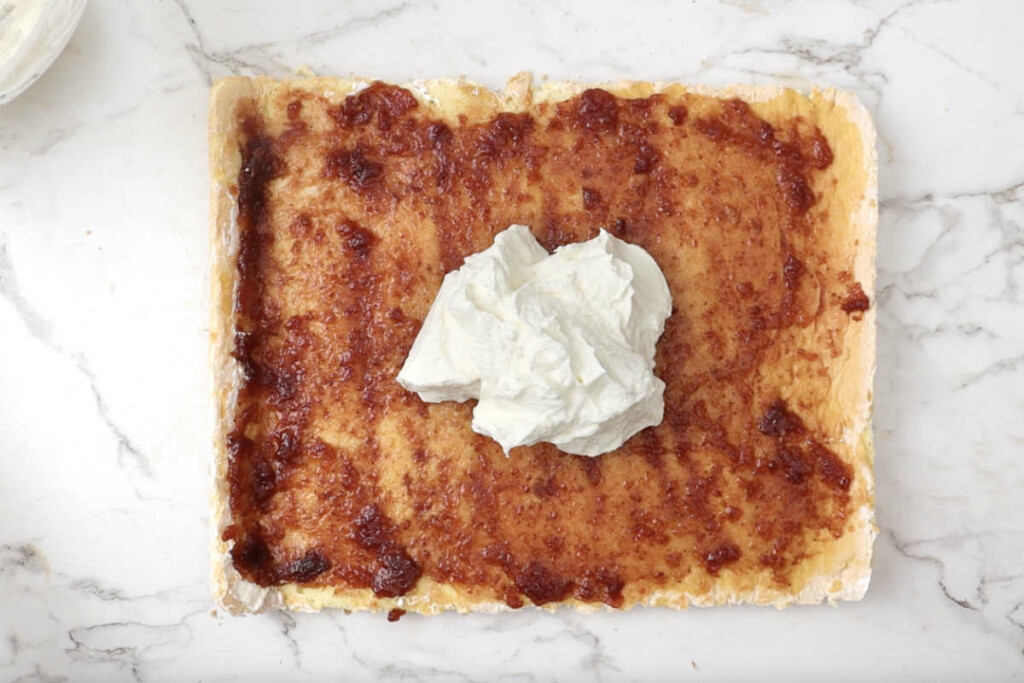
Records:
x=65, y=27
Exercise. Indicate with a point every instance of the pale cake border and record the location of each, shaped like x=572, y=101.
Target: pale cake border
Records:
x=238, y=596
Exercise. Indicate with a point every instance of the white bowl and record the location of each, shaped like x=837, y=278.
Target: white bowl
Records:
x=32, y=34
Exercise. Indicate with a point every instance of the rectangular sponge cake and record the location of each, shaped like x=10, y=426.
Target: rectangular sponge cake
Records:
x=338, y=205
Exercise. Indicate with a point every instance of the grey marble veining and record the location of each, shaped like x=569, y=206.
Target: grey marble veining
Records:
x=104, y=415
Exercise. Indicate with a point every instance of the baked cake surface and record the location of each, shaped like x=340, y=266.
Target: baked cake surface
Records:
x=339, y=205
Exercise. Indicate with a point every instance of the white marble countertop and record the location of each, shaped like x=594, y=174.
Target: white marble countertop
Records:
x=104, y=420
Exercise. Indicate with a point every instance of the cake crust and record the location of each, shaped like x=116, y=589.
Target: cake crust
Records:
x=801, y=427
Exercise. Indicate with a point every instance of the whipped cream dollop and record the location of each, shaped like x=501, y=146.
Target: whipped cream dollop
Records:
x=555, y=347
